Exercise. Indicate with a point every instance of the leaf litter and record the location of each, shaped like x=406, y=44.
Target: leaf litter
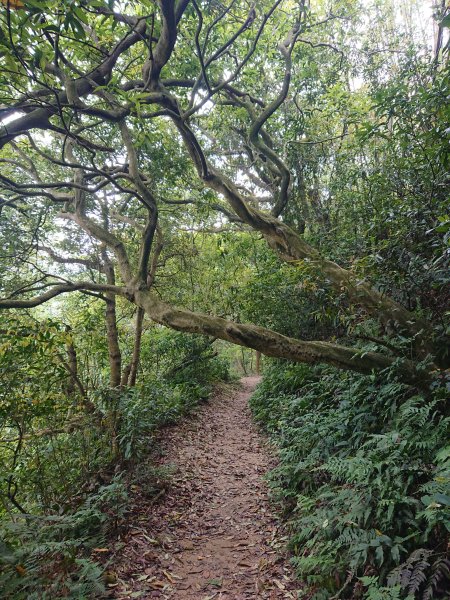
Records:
x=212, y=534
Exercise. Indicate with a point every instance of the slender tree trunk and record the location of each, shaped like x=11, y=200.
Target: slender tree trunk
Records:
x=258, y=362
x=137, y=347
x=115, y=367
x=244, y=368
x=125, y=375
x=114, y=354
x=75, y=381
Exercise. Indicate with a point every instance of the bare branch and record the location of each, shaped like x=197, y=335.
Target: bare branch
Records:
x=108, y=238
x=59, y=289
x=95, y=265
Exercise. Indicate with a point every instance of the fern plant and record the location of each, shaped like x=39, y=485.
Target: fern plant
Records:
x=47, y=557
x=363, y=478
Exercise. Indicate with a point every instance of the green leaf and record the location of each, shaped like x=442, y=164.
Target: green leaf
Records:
x=445, y=21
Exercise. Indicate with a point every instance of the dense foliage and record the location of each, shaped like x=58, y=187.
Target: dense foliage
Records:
x=69, y=457
x=363, y=476
x=179, y=175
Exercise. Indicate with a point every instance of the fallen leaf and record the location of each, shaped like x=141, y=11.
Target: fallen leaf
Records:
x=279, y=585
x=157, y=585
x=169, y=577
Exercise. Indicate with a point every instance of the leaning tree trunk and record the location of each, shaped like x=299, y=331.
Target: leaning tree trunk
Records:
x=274, y=344
x=292, y=248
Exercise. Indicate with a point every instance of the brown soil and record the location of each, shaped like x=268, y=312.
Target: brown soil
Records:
x=212, y=534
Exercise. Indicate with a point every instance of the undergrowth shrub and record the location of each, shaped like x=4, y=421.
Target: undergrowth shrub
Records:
x=48, y=556
x=153, y=404
x=63, y=488
x=191, y=367
x=363, y=476
x=186, y=358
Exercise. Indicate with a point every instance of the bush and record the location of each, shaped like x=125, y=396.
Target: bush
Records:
x=46, y=557
x=364, y=479
x=153, y=404
x=60, y=494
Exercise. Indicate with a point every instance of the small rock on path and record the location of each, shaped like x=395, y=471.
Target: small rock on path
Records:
x=213, y=534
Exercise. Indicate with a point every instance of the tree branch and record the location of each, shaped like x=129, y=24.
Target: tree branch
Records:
x=39, y=117
x=59, y=289
x=274, y=344
x=108, y=238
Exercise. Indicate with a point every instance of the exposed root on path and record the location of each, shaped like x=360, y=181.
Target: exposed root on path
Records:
x=212, y=535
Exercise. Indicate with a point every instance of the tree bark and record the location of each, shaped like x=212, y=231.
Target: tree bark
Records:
x=275, y=344
x=75, y=381
x=258, y=362
x=112, y=334
x=268, y=342
x=137, y=347
x=114, y=355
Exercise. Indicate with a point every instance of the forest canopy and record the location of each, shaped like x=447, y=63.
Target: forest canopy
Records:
x=122, y=126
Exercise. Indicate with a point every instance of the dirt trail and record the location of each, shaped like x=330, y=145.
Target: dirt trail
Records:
x=212, y=535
